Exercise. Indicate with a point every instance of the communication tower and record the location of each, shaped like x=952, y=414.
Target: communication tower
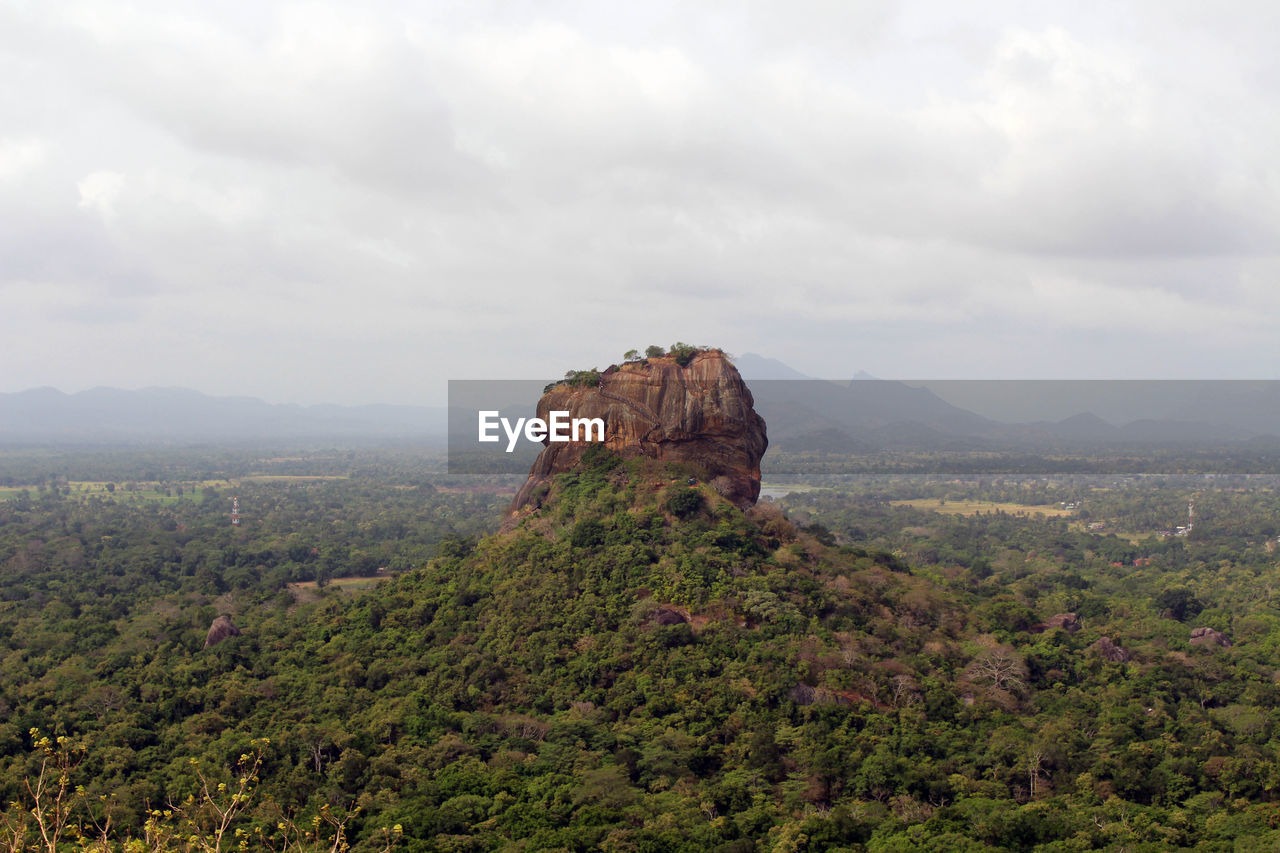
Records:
x=235, y=512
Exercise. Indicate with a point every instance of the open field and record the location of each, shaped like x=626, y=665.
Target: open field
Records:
x=352, y=583
x=304, y=592
x=778, y=490
x=975, y=507
x=167, y=491
x=289, y=478
x=139, y=491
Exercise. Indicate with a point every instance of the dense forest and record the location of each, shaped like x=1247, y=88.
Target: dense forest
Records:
x=874, y=663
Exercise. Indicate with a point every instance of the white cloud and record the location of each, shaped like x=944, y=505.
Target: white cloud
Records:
x=352, y=193
x=99, y=191
x=19, y=157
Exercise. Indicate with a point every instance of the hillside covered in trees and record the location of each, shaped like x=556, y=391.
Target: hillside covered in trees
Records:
x=893, y=664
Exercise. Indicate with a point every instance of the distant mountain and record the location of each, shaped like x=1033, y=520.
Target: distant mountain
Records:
x=863, y=413
x=1232, y=408
x=751, y=367
x=180, y=415
x=1013, y=414
x=858, y=415
x=1084, y=427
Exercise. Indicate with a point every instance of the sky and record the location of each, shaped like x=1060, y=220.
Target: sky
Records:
x=353, y=203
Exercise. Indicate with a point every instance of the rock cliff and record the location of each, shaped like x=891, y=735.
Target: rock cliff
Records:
x=701, y=414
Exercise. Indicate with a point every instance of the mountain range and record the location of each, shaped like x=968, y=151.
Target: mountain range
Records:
x=803, y=413
x=873, y=414
x=106, y=416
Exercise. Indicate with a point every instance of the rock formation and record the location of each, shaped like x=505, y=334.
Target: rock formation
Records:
x=1209, y=637
x=219, y=630
x=1068, y=622
x=1108, y=650
x=701, y=414
x=666, y=617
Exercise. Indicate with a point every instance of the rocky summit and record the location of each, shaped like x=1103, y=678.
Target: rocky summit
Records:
x=699, y=413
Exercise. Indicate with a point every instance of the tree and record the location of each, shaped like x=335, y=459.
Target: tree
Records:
x=684, y=502
x=683, y=353
x=654, y=351
x=1179, y=603
x=1001, y=667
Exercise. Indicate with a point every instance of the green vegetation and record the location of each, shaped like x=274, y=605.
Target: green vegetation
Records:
x=682, y=353
x=582, y=378
x=641, y=666
x=683, y=503
x=976, y=507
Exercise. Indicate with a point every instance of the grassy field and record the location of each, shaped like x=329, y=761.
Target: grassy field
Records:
x=781, y=489
x=289, y=478
x=307, y=591
x=163, y=492
x=352, y=583
x=84, y=489
x=140, y=491
x=975, y=507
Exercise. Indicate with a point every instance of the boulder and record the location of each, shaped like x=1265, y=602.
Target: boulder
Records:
x=1209, y=637
x=219, y=630
x=1108, y=650
x=667, y=616
x=1068, y=622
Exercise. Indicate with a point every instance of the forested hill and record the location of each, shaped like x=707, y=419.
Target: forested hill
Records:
x=642, y=666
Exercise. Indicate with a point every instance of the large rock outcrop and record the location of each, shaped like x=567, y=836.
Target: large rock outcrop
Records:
x=1205, y=636
x=1107, y=648
x=1068, y=622
x=701, y=414
x=221, y=629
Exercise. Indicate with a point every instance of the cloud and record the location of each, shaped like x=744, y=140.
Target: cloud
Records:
x=349, y=195
x=98, y=192
x=19, y=157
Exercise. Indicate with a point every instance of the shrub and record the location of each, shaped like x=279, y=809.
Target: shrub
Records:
x=683, y=353
x=582, y=378
x=683, y=503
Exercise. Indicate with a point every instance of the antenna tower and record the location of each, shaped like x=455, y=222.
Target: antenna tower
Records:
x=235, y=512
x=1191, y=514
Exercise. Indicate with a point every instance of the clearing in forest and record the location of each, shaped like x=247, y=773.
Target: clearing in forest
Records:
x=964, y=507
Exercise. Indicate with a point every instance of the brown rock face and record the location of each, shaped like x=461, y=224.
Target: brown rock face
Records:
x=666, y=617
x=701, y=414
x=1209, y=637
x=1068, y=622
x=219, y=630
x=1107, y=648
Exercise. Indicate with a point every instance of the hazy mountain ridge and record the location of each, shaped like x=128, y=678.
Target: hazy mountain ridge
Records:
x=111, y=415
x=858, y=415
x=869, y=414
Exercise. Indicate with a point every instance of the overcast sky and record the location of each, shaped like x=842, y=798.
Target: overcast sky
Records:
x=352, y=203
